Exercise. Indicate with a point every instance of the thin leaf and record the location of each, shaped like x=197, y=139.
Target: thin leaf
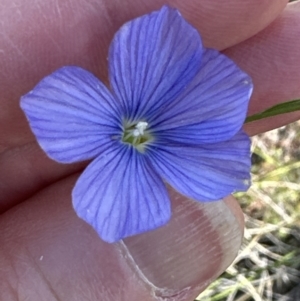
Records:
x=282, y=108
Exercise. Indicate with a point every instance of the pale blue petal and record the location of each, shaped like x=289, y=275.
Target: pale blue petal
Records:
x=120, y=195
x=213, y=107
x=207, y=172
x=71, y=114
x=151, y=60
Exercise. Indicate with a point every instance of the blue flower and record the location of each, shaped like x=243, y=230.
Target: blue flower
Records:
x=173, y=114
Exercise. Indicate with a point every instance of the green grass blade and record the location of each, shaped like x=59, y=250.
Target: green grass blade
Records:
x=282, y=108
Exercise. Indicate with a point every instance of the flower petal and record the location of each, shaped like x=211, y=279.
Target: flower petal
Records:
x=119, y=194
x=205, y=173
x=213, y=107
x=151, y=60
x=71, y=114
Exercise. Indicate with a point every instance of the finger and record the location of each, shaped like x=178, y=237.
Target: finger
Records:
x=58, y=256
x=27, y=169
x=233, y=21
x=272, y=59
x=55, y=44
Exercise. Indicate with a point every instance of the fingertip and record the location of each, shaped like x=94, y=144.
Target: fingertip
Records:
x=193, y=249
x=236, y=210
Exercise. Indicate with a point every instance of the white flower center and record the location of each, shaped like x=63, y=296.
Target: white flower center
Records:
x=139, y=128
x=137, y=134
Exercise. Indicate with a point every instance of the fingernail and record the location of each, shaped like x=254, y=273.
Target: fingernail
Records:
x=180, y=259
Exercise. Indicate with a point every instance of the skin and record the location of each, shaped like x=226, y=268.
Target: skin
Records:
x=47, y=252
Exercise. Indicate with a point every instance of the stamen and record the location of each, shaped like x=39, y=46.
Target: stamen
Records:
x=139, y=128
x=137, y=134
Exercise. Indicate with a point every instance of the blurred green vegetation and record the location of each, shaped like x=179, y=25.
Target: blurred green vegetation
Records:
x=268, y=265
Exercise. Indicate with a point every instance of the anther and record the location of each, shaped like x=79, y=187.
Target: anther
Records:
x=139, y=128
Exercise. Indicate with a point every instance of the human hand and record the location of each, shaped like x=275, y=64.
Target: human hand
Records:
x=47, y=253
